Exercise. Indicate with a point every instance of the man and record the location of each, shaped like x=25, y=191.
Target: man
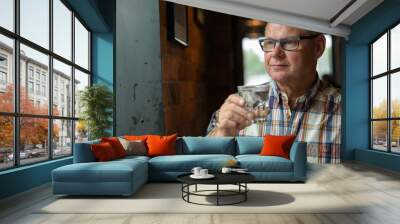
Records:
x=300, y=103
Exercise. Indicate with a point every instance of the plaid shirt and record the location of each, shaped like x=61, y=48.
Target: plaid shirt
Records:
x=315, y=119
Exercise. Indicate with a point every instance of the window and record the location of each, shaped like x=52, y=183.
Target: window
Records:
x=62, y=75
x=3, y=78
x=30, y=87
x=3, y=72
x=54, y=125
x=3, y=61
x=63, y=139
x=253, y=62
x=81, y=81
x=385, y=95
x=38, y=89
x=44, y=91
x=30, y=72
x=38, y=74
x=7, y=14
x=35, y=22
x=43, y=77
x=81, y=45
x=62, y=30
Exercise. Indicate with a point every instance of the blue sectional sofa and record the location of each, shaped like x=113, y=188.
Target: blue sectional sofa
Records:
x=125, y=176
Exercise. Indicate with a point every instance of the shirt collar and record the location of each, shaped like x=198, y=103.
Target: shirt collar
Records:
x=305, y=98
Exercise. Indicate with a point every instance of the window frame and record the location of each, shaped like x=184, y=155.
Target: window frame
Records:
x=16, y=114
x=388, y=74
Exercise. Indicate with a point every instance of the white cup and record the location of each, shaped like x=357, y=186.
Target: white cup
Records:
x=203, y=172
x=196, y=170
x=226, y=170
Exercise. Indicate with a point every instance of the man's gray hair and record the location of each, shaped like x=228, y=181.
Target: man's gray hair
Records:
x=307, y=32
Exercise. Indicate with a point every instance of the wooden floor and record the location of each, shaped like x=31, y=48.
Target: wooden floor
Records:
x=377, y=188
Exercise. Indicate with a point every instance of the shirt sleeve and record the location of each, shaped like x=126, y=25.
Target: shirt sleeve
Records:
x=213, y=122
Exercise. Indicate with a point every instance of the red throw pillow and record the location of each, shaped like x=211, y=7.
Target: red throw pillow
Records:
x=116, y=145
x=103, y=151
x=161, y=145
x=277, y=145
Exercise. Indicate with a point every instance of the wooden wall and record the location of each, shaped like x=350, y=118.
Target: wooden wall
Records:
x=197, y=79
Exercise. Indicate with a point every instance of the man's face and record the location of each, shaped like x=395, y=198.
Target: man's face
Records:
x=291, y=66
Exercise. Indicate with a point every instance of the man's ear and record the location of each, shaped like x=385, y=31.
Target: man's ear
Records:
x=320, y=45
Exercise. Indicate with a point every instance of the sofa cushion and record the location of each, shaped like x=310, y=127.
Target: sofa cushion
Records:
x=248, y=145
x=185, y=163
x=83, y=152
x=207, y=145
x=135, y=147
x=257, y=163
x=132, y=158
x=112, y=171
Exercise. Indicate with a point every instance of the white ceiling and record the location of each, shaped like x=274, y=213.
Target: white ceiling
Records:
x=320, y=10
x=324, y=16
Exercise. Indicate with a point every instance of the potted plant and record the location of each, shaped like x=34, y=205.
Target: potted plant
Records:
x=96, y=102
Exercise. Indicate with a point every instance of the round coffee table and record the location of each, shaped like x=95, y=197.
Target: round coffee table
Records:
x=238, y=179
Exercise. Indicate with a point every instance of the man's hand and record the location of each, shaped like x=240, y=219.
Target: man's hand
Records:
x=232, y=117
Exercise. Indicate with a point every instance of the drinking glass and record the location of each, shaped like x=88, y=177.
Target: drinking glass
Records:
x=255, y=98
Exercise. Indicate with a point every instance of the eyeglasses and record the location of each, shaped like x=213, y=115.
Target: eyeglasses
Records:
x=287, y=44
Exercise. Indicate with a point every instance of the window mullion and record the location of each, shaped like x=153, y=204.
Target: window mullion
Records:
x=50, y=81
x=73, y=82
x=16, y=83
x=389, y=106
x=371, y=89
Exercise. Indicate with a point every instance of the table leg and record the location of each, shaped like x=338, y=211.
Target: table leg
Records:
x=217, y=194
x=188, y=189
x=196, y=188
x=182, y=190
x=245, y=191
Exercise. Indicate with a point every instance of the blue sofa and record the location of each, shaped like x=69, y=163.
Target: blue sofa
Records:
x=125, y=176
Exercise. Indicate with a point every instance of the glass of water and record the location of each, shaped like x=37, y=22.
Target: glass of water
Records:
x=256, y=100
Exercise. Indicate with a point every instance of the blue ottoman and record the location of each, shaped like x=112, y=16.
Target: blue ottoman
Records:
x=118, y=177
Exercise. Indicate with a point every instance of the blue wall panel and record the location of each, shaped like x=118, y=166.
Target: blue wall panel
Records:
x=24, y=178
x=356, y=99
x=380, y=159
x=102, y=58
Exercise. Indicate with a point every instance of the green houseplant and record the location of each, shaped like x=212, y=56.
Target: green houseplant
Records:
x=96, y=102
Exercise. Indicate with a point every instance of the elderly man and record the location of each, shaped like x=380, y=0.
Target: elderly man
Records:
x=300, y=103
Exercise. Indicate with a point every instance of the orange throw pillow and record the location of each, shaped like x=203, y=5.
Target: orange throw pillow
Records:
x=161, y=145
x=116, y=145
x=277, y=145
x=103, y=151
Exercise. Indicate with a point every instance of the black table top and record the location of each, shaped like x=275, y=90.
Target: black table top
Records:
x=220, y=178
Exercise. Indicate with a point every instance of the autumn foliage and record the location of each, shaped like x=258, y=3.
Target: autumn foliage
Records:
x=380, y=127
x=33, y=131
